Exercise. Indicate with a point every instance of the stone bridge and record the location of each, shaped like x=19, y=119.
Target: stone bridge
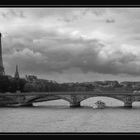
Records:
x=74, y=98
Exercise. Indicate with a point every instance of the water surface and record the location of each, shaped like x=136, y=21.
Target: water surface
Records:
x=57, y=116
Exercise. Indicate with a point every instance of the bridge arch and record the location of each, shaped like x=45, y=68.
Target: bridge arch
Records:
x=39, y=98
x=107, y=99
x=120, y=98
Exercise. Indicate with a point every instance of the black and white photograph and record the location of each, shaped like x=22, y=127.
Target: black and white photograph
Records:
x=70, y=69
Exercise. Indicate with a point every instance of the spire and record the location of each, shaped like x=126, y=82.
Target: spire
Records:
x=17, y=73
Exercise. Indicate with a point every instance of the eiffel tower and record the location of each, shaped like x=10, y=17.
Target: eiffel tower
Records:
x=1, y=61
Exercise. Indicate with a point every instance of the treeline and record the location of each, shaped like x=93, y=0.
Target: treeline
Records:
x=55, y=87
x=10, y=84
x=39, y=85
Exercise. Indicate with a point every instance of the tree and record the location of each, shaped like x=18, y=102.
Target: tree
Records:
x=4, y=83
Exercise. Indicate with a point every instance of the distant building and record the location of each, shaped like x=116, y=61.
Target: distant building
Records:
x=126, y=83
x=31, y=78
x=130, y=83
x=106, y=83
x=111, y=83
x=88, y=83
x=97, y=83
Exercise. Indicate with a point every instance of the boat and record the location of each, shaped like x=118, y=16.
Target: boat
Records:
x=99, y=105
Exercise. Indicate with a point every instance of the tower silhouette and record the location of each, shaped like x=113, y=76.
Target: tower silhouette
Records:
x=17, y=79
x=16, y=73
x=1, y=61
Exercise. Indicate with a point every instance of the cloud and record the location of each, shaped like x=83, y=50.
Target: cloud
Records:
x=11, y=13
x=49, y=41
x=110, y=20
x=59, y=55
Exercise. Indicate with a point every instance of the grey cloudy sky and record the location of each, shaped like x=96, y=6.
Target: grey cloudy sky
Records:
x=72, y=44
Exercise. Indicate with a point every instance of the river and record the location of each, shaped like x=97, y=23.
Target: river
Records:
x=56, y=116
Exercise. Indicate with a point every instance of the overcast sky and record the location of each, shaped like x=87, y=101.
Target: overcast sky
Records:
x=72, y=44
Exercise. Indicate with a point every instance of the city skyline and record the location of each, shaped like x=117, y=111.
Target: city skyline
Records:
x=72, y=44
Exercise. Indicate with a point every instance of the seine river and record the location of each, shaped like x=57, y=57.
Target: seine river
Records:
x=56, y=116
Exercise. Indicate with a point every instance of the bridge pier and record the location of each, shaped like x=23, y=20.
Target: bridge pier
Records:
x=77, y=104
x=26, y=105
x=128, y=104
